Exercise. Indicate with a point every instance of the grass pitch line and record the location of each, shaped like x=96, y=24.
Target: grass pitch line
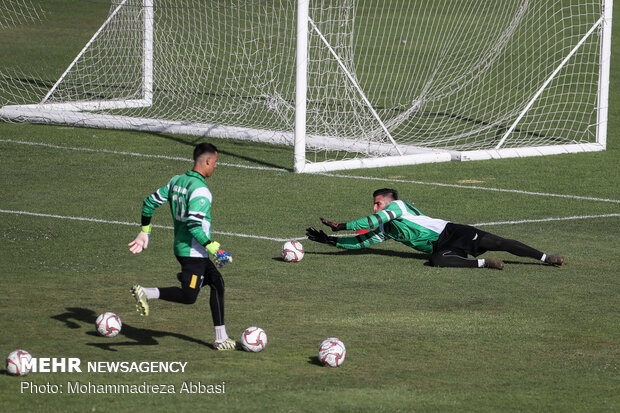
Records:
x=262, y=168
x=528, y=221
x=133, y=224
x=234, y=234
x=480, y=188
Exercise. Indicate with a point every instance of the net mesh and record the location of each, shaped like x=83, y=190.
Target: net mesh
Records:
x=17, y=12
x=446, y=74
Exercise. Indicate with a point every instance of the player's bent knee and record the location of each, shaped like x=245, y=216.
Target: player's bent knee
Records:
x=189, y=300
x=189, y=297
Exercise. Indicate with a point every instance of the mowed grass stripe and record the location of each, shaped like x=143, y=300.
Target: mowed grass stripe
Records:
x=360, y=177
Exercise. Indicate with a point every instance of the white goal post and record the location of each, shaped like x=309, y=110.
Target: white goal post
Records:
x=348, y=83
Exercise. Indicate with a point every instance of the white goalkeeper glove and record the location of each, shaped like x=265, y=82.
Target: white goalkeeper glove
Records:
x=142, y=240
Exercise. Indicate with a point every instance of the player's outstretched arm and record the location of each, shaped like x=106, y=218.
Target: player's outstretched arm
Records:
x=335, y=226
x=355, y=242
x=319, y=236
x=142, y=240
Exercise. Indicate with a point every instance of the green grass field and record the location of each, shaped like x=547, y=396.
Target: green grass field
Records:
x=528, y=338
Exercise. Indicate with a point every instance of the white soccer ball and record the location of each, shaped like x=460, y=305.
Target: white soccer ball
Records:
x=332, y=352
x=253, y=339
x=292, y=251
x=108, y=324
x=14, y=363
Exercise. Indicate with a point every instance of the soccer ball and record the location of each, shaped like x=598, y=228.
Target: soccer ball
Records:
x=253, y=339
x=14, y=363
x=292, y=251
x=108, y=324
x=332, y=352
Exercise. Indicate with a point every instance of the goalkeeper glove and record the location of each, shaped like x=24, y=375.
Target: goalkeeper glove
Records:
x=319, y=236
x=334, y=225
x=221, y=257
x=142, y=240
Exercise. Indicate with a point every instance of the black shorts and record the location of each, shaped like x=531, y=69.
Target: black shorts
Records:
x=460, y=239
x=196, y=271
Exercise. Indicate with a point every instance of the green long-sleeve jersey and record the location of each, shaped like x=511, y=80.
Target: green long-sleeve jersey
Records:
x=190, y=205
x=399, y=221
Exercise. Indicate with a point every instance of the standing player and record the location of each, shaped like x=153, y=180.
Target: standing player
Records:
x=190, y=205
x=447, y=243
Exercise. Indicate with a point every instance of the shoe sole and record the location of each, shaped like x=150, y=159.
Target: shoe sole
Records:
x=141, y=305
x=225, y=348
x=142, y=309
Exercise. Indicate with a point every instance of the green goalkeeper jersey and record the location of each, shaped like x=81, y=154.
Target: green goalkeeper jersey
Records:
x=190, y=205
x=399, y=221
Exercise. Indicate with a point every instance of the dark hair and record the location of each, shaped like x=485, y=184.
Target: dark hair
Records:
x=204, y=148
x=393, y=193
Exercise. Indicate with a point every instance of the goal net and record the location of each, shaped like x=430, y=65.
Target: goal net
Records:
x=17, y=12
x=348, y=83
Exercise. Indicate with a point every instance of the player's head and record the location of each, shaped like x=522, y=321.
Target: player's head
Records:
x=204, y=148
x=205, y=158
x=382, y=198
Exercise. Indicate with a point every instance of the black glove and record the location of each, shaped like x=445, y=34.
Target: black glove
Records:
x=319, y=236
x=334, y=225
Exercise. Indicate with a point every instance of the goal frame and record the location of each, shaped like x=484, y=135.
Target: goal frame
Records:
x=79, y=112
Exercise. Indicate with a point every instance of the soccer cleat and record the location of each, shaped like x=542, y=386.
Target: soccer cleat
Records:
x=494, y=263
x=555, y=259
x=227, y=344
x=142, y=302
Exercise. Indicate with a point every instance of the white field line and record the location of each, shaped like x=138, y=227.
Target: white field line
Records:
x=133, y=224
x=233, y=234
x=528, y=221
x=481, y=188
x=369, y=178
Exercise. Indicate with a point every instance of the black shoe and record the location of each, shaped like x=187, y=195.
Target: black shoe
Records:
x=494, y=263
x=555, y=259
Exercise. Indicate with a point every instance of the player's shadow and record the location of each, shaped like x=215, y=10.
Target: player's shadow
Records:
x=194, y=141
x=400, y=254
x=372, y=251
x=138, y=336
x=526, y=263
